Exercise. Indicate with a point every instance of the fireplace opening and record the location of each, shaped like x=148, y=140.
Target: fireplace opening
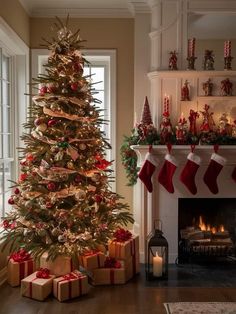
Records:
x=206, y=229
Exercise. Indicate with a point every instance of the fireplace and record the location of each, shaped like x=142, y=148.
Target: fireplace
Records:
x=206, y=229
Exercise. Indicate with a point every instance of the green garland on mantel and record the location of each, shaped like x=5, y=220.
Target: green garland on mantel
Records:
x=129, y=157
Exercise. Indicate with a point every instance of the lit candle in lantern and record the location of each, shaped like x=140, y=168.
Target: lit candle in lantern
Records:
x=157, y=266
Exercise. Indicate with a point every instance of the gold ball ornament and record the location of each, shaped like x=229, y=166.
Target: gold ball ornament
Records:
x=70, y=165
x=82, y=146
x=42, y=127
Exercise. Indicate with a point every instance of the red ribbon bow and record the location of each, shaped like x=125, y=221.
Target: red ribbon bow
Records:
x=20, y=256
x=72, y=276
x=101, y=163
x=111, y=262
x=122, y=235
x=90, y=253
x=43, y=273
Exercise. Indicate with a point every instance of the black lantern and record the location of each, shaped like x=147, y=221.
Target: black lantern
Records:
x=157, y=254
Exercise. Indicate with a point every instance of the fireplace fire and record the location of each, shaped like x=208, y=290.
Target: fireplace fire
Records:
x=210, y=232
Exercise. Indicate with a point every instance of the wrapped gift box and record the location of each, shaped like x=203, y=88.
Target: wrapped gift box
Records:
x=109, y=276
x=62, y=265
x=36, y=288
x=70, y=286
x=124, y=250
x=132, y=266
x=92, y=260
x=18, y=268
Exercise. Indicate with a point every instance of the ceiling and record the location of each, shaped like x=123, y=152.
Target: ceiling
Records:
x=84, y=8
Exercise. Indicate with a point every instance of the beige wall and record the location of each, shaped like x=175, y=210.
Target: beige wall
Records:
x=105, y=34
x=16, y=17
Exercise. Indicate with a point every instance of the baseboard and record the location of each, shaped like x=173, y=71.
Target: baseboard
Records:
x=3, y=275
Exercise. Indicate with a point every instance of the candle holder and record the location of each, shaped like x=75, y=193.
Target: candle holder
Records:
x=227, y=63
x=157, y=254
x=191, y=63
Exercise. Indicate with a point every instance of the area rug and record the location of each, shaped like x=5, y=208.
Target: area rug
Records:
x=201, y=308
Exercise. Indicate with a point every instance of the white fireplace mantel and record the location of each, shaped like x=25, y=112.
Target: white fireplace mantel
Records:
x=162, y=205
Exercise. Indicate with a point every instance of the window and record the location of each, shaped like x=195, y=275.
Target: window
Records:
x=103, y=74
x=13, y=86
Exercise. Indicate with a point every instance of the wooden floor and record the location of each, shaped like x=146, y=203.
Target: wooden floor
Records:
x=137, y=296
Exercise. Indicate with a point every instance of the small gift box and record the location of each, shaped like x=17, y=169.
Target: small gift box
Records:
x=38, y=285
x=70, y=286
x=20, y=265
x=92, y=259
x=124, y=245
x=60, y=266
x=112, y=273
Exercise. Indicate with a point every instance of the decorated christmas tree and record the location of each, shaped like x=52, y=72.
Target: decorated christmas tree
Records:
x=62, y=202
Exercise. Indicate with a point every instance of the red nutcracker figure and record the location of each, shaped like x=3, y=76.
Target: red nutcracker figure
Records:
x=208, y=122
x=226, y=87
x=173, y=60
x=185, y=91
x=193, y=116
x=181, y=130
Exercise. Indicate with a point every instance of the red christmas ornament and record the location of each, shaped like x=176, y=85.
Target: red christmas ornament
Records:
x=43, y=90
x=74, y=86
x=11, y=201
x=52, y=89
x=23, y=177
x=30, y=157
x=49, y=205
x=78, y=67
x=51, y=186
x=78, y=179
x=52, y=122
x=38, y=121
x=98, y=198
x=6, y=224
x=17, y=191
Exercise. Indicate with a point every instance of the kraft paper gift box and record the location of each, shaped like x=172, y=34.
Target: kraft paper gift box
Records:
x=18, y=269
x=62, y=265
x=108, y=276
x=123, y=250
x=37, y=288
x=92, y=260
x=132, y=266
x=70, y=286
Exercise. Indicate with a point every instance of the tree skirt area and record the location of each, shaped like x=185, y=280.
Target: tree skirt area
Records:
x=201, y=308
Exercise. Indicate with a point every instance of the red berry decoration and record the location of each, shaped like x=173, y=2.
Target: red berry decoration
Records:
x=17, y=191
x=74, y=86
x=51, y=186
x=52, y=122
x=6, y=224
x=11, y=201
x=38, y=121
x=23, y=177
x=30, y=157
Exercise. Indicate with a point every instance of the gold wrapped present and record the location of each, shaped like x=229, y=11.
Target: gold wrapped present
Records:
x=70, y=286
x=108, y=276
x=20, y=265
x=91, y=260
x=62, y=265
x=124, y=250
x=37, y=287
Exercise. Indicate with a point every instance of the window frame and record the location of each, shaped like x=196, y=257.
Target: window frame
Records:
x=13, y=47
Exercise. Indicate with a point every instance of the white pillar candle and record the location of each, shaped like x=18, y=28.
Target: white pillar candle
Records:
x=157, y=266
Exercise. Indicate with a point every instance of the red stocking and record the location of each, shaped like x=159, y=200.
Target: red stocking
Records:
x=166, y=173
x=188, y=174
x=213, y=170
x=147, y=170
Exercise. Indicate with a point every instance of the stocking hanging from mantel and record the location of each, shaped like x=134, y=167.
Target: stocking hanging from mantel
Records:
x=214, y=168
x=187, y=176
x=167, y=171
x=148, y=168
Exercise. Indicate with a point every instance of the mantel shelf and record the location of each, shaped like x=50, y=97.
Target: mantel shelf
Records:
x=186, y=73
x=215, y=97
x=181, y=152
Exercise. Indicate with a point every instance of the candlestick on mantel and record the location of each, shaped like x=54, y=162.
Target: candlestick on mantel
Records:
x=157, y=265
x=166, y=103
